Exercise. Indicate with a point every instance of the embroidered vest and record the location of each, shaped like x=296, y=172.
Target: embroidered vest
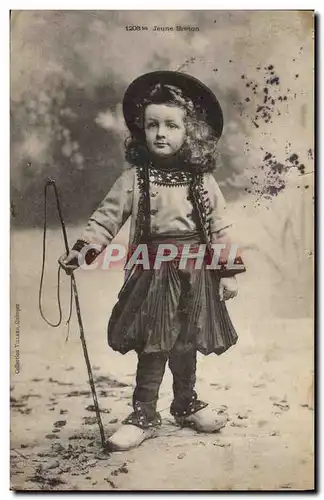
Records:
x=198, y=196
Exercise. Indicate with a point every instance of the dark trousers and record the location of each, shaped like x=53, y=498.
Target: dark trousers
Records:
x=150, y=370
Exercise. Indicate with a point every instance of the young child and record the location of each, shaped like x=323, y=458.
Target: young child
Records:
x=167, y=314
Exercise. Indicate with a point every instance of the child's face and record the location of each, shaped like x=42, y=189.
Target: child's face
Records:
x=164, y=129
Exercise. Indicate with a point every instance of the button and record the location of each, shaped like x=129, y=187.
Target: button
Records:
x=189, y=215
x=154, y=211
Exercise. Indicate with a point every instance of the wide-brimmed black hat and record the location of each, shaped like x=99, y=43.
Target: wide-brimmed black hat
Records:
x=202, y=97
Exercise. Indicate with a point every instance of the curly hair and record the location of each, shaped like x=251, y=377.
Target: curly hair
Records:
x=199, y=150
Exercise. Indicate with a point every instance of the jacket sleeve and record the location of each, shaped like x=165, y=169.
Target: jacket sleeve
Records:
x=109, y=217
x=223, y=231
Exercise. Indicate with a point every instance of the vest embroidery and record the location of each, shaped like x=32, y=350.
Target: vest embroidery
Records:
x=197, y=193
x=169, y=178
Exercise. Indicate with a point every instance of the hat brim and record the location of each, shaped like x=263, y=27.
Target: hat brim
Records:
x=191, y=87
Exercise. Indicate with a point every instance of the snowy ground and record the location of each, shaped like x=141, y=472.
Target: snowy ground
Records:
x=264, y=383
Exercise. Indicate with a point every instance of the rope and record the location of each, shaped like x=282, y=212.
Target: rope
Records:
x=54, y=325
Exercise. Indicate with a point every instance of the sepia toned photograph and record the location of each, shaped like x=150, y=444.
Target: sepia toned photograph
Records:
x=162, y=250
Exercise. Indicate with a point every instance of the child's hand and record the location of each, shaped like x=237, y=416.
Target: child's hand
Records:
x=69, y=262
x=228, y=288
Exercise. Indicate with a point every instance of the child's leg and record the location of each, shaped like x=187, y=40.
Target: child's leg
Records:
x=141, y=423
x=186, y=408
x=149, y=375
x=182, y=363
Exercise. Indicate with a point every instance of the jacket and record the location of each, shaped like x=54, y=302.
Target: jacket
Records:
x=171, y=209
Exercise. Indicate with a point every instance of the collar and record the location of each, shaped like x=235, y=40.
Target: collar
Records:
x=169, y=177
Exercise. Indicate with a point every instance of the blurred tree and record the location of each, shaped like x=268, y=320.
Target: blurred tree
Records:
x=55, y=133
